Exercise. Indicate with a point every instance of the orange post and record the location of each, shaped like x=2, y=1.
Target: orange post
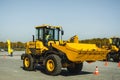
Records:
x=106, y=63
x=119, y=64
x=4, y=56
x=96, y=71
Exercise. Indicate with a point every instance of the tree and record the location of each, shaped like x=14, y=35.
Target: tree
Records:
x=98, y=41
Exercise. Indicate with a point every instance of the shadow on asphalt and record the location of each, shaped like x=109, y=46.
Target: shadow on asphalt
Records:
x=66, y=73
x=63, y=72
x=8, y=55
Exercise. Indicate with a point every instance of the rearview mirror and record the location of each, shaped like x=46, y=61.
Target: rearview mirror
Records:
x=62, y=32
x=33, y=38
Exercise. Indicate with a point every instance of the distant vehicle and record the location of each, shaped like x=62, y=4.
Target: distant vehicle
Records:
x=2, y=50
x=115, y=49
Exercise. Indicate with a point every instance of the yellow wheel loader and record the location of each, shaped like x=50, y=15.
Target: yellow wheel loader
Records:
x=51, y=52
x=114, y=49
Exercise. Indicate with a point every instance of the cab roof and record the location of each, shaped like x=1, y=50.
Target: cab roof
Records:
x=48, y=26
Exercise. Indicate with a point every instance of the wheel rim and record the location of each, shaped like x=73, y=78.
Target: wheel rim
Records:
x=27, y=62
x=50, y=65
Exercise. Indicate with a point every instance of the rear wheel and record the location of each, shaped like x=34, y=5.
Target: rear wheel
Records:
x=53, y=64
x=75, y=68
x=116, y=58
x=28, y=62
x=108, y=57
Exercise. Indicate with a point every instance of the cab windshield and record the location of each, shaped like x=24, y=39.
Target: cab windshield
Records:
x=47, y=34
x=116, y=41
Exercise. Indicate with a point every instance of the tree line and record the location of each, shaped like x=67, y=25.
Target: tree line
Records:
x=14, y=45
x=98, y=41
x=21, y=46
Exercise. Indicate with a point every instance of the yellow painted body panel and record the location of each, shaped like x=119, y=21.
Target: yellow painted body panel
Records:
x=74, y=39
x=53, y=42
x=77, y=52
x=81, y=46
x=110, y=41
x=114, y=48
x=37, y=46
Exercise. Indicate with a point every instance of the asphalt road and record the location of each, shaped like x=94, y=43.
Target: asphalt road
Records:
x=11, y=69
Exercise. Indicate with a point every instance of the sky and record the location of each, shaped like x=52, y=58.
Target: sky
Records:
x=85, y=18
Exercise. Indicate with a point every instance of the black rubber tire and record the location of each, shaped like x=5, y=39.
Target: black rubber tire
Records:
x=116, y=58
x=57, y=64
x=22, y=56
x=108, y=57
x=119, y=58
x=30, y=60
x=76, y=68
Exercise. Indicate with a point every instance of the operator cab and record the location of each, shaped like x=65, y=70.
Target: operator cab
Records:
x=46, y=33
x=116, y=42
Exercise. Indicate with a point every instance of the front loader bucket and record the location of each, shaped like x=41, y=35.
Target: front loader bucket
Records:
x=77, y=52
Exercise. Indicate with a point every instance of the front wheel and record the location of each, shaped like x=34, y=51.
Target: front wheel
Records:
x=53, y=64
x=75, y=68
x=28, y=62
